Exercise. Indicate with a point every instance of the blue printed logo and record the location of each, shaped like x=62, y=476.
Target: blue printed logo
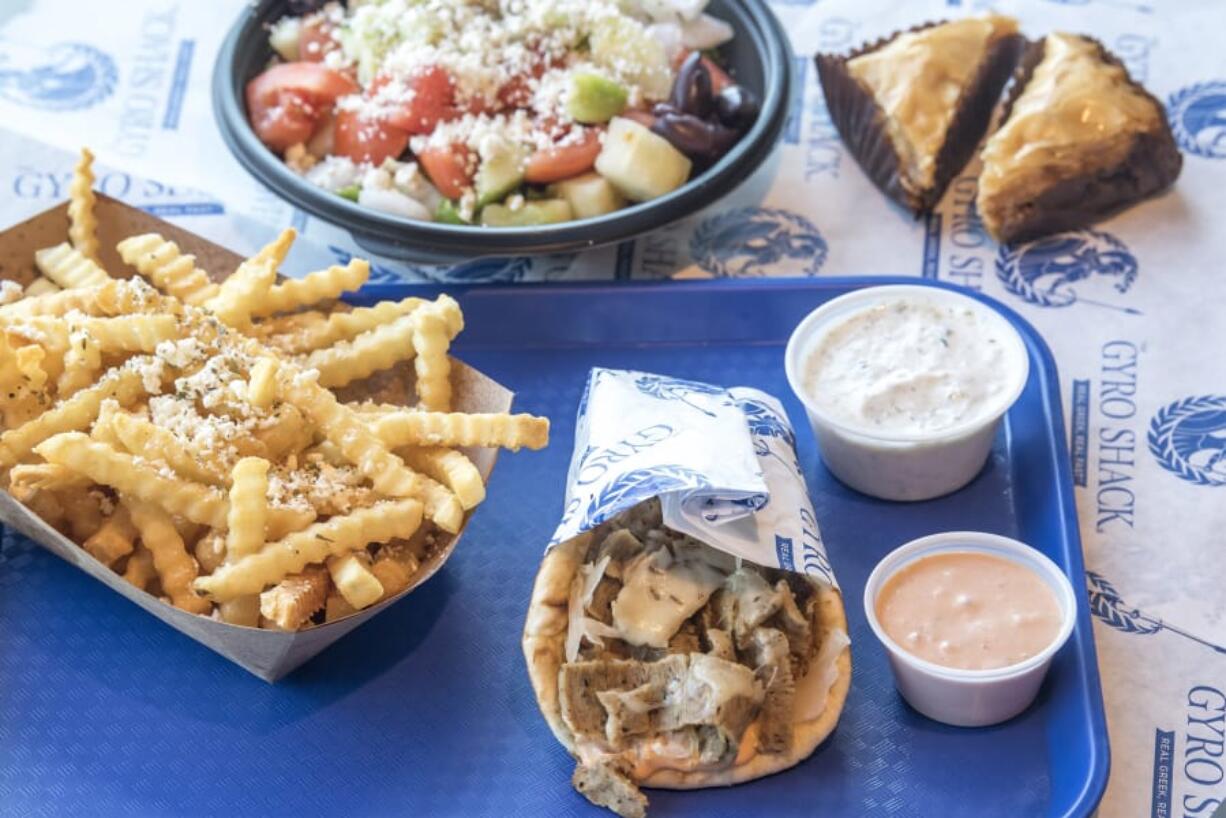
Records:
x=63, y=77
x=763, y=422
x=813, y=558
x=722, y=508
x=1198, y=119
x=1107, y=605
x=1059, y=270
x=1188, y=438
x=478, y=271
x=783, y=552
x=758, y=241
x=666, y=388
x=638, y=485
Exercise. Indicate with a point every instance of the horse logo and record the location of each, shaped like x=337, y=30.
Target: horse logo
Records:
x=1198, y=118
x=754, y=242
x=1054, y=271
x=1188, y=437
x=63, y=77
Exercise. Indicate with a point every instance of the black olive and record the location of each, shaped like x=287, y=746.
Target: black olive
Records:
x=663, y=109
x=299, y=7
x=736, y=107
x=704, y=142
x=692, y=88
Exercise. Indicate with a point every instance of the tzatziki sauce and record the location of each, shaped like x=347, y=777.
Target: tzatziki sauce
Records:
x=911, y=366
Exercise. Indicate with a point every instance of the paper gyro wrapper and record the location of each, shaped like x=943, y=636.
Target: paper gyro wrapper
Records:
x=723, y=464
x=722, y=461
x=269, y=654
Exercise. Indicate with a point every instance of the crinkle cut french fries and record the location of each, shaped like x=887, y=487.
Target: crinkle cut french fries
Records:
x=186, y=435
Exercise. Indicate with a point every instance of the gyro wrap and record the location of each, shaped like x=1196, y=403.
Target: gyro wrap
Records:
x=722, y=461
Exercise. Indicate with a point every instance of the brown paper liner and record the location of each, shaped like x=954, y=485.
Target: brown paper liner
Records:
x=1152, y=164
x=269, y=654
x=862, y=123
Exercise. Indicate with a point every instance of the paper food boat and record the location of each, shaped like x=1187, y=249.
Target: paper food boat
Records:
x=269, y=654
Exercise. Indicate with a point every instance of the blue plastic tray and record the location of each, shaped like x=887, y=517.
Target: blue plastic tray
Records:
x=426, y=710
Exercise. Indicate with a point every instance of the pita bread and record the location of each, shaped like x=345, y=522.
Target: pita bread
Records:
x=544, y=643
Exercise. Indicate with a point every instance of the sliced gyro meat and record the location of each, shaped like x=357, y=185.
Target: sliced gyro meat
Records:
x=607, y=783
x=746, y=602
x=629, y=711
x=769, y=650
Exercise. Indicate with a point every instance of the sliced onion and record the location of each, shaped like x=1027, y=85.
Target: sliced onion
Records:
x=668, y=35
x=582, y=589
x=705, y=32
x=812, y=688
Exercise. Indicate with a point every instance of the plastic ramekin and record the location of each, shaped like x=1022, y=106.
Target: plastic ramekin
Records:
x=970, y=698
x=900, y=466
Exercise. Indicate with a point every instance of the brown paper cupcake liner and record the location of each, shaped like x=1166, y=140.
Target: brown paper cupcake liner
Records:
x=1152, y=164
x=862, y=123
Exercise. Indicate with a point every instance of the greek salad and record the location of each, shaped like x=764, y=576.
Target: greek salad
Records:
x=502, y=113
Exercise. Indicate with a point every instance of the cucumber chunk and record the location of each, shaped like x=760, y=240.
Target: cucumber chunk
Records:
x=448, y=212
x=589, y=195
x=350, y=192
x=283, y=37
x=640, y=164
x=545, y=211
x=501, y=171
x=621, y=44
x=594, y=99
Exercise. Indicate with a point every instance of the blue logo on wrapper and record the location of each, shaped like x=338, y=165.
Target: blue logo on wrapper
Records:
x=62, y=77
x=764, y=422
x=783, y=551
x=666, y=388
x=1054, y=271
x=813, y=558
x=1188, y=437
x=1198, y=118
x=758, y=241
x=634, y=487
x=723, y=509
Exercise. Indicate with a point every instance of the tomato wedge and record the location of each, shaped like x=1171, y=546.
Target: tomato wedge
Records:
x=287, y=101
x=450, y=169
x=316, y=40
x=365, y=140
x=429, y=100
x=563, y=161
x=516, y=93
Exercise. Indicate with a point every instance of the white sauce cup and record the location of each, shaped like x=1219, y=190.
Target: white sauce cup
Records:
x=903, y=466
x=970, y=698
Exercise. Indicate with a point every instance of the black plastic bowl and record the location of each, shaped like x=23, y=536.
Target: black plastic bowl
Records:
x=758, y=57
